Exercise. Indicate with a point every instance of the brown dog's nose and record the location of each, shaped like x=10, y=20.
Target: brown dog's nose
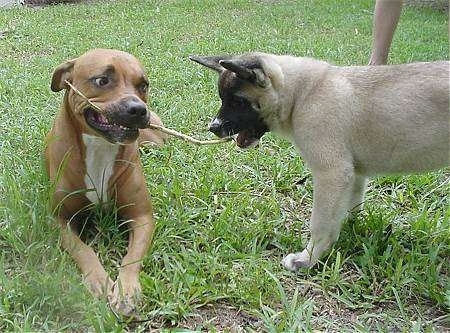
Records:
x=131, y=112
x=135, y=113
x=137, y=109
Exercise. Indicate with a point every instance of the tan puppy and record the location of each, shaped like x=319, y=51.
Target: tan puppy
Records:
x=92, y=158
x=348, y=123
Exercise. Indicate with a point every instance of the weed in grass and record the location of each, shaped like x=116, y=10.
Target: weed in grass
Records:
x=294, y=314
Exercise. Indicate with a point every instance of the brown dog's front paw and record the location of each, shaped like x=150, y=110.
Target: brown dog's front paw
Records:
x=125, y=296
x=99, y=284
x=124, y=305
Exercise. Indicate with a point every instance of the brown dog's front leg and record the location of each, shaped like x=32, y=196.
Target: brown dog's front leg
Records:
x=127, y=289
x=94, y=275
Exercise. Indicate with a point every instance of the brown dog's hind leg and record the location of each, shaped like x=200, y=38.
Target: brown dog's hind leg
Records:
x=151, y=137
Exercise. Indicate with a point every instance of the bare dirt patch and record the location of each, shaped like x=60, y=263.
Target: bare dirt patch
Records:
x=221, y=317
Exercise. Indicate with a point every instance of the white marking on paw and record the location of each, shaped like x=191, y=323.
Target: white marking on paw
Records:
x=294, y=261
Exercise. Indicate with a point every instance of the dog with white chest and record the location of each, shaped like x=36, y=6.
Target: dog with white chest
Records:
x=349, y=123
x=92, y=158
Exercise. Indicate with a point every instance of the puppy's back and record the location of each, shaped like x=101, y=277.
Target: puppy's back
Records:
x=401, y=122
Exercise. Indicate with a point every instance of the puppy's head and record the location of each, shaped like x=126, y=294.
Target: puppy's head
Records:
x=113, y=80
x=243, y=88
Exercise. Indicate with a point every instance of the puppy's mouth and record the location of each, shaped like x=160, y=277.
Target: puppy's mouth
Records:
x=247, y=138
x=110, y=130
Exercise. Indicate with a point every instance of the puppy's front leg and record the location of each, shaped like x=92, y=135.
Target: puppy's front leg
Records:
x=127, y=289
x=332, y=196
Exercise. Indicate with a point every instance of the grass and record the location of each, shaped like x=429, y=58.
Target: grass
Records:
x=225, y=217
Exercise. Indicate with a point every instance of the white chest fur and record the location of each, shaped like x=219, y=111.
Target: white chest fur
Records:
x=100, y=159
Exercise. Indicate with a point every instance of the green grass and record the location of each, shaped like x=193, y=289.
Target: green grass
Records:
x=225, y=217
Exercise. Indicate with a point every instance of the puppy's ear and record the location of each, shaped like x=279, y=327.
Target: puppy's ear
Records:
x=246, y=69
x=62, y=72
x=210, y=62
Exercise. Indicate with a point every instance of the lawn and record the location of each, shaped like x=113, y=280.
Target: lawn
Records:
x=225, y=217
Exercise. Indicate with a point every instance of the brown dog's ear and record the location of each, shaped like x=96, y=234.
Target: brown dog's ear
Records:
x=246, y=69
x=210, y=62
x=62, y=72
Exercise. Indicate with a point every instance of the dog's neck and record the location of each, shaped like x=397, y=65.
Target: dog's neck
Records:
x=303, y=76
x=300, y=77
x=103, y=161
x=100, y=158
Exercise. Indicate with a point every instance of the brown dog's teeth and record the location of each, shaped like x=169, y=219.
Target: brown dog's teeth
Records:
x=101, y=119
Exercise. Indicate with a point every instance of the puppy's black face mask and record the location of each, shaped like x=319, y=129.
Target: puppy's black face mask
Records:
x=237, y=114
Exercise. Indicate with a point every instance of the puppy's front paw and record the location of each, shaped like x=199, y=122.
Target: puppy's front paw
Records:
x=294, y=261
x=125, y=296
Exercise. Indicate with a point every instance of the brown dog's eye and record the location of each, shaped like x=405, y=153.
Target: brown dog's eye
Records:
x=143, y=87
x=101, y=81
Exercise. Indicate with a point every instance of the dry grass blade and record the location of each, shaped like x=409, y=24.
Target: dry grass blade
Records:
x=156, y=127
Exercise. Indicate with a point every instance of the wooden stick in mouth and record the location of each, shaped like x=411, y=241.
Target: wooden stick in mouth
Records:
x=157, y=127
x=187, y=137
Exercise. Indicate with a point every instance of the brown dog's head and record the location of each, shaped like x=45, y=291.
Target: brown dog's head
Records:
x=242, y=83
x=113, y=80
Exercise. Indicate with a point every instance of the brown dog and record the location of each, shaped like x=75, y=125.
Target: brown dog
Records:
x=92, y=158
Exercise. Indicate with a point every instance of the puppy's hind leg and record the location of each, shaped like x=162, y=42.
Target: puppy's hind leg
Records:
x=357, y=198
x=332, y=197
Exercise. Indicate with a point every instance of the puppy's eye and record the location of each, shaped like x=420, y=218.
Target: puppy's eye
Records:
x=256, y=106
x=101, y=81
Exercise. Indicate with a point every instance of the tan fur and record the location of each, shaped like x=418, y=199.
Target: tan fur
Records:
x=66, y=166
x=350, y=123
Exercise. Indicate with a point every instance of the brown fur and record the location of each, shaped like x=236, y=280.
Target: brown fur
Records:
x=66, y=166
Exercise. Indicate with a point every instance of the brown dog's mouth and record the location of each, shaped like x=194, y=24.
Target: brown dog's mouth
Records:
x=109, y=130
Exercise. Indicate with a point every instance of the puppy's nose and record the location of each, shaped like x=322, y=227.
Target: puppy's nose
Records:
x=216, y=126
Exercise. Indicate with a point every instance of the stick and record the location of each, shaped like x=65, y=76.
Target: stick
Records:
x=84, y=97
x=187, y=137
x=157, y=127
